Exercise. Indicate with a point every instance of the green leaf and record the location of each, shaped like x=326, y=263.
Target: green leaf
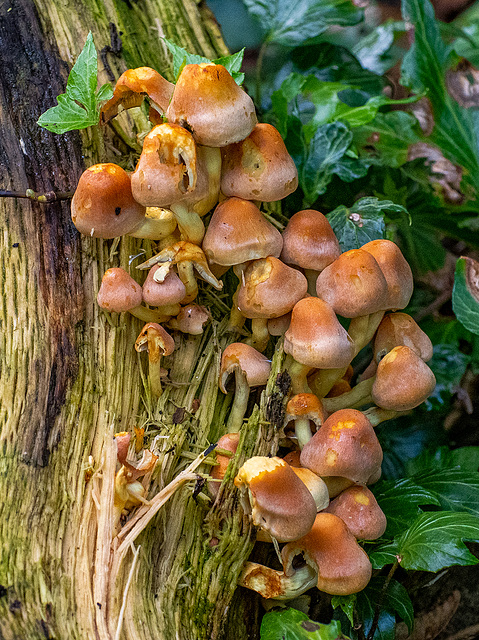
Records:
x=395, y=601
x=292, y=23
x=363, y=222
x=182, y=57
x=467, y=458
x=465, y=294
x=347, y=605
x=79, y=106
x=372, y=49
x=357, y=116
x=455, y=489
x=424, y=69
x=291, y=624
x=328, y=145
x=400, y=502
x=448, y=365
x=433, y=542
x=387, y=139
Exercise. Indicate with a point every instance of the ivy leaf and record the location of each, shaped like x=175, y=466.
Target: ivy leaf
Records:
x=79, y=106
x=401, y=501
x=347, y=605
x=291, y=624
x=372, y=50
x=182, y=57
x=465, y=294
x=363, y=222
x=467, y=458
x=455, y=489
x=293, y=23
x=327, y=146
x=433, y=542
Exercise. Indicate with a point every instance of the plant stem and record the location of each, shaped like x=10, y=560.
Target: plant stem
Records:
x=380, y=601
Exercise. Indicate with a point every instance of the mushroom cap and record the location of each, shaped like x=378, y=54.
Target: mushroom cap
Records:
x=353, y=284
x=316, y=486
x=305, y=405
x=259, y=167
x=280, y=502
x=132, y=87
x=191, y=319
x=396, y=270
x=156, y=340
x=278, y=326
x=118, y=291
x=254, y=364
x=205, y=195
x=398, y=329
x=269, y=288
x=358, y=509
x=309, y=241
x=316, y=338
x=343, y=566
x=157, y=294
x=346, y=445
x=211, y=105
x=403, y=380
x=103, y=205
x=238, y=232
x=166, y=170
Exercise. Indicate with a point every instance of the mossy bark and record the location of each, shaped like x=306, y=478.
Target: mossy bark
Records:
x=71, y=378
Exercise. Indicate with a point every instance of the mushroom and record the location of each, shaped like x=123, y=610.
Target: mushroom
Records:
x=103, y=206
x=208, y=102
x=358, y=509
x=342, y=566
x=275, y=498
x=158, y=342
x=346, y=446
x=302, y=409
x=259, y=167
x=315, y=339
x=268, y=289
x=191, y=319
x=119, y=292
x=228, y=442
x=131, y=89
x=165, y=294
x=251, y=369
x=398, y=329
x=316, y=486
x=275, y=585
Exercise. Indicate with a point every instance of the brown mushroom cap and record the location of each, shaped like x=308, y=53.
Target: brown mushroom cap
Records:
x=398, y=329
x=238, y=232
x=191, y=319
x=270, y=288
x=157, y=294
x=259, y=167
x=280, y=502
x=166, y=170
x=156, y=340
x=403, y=380
x=309, y=241
x=118, y=291
x=316, y=486
x=211, y=105
x=396, y=270
x=353, y=284
x=316, y=338
x=358, y=509
x=346, y=445
x=254, y=364
x=103, y=205
x=343, y=566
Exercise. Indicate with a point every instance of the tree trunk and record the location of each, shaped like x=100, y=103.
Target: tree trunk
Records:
x=71, y=377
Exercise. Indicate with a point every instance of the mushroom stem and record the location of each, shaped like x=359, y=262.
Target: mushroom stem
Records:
x=189, y=222
x=186, y=274
x=357, y=397
x=156, y=225
x=154, y=339
x=260, y=334
x=149, y=315
x=298, y=373
x=237, y=319
x=240, y=402
x=270, y=583
x=302, y=430
x=376, y=415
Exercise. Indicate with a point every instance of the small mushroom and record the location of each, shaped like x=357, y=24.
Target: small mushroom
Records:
x=276, y=499
x=275, y=585
x=166, y=294
x=302, y=409
x=358, y=509
x=228, y=442
x=398, y=329
x=158, y=342
x=191, y=319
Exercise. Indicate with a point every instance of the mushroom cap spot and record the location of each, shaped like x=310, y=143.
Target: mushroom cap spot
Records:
x=281, y=504
x=238, y=232
x=270, y=289
x=359, y=510
x=103, y=205
x=343, y=566
x=259, y=167
x=396, y=270
x=403, y=380
x=353, y=284
x=309, y=241
x=118, y=291
x=208, y=101
x=356, y=454
x=316, y=338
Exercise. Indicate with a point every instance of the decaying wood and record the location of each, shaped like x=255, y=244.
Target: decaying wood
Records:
x=71, y=377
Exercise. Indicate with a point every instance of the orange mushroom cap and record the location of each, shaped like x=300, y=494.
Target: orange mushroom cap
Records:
x=396, y=270
x=359, y=510
x=398, y=329
x=118, y=291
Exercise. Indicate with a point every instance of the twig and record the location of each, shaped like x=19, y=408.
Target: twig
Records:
x=29, y=194
x=466, y=634
x=380, y=601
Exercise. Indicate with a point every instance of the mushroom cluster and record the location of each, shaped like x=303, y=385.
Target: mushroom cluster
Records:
x=206, y=151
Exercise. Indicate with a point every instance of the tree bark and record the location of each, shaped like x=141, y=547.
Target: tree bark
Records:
x=71, y=378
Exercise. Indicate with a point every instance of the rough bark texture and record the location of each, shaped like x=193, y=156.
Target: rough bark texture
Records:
x=70, y=378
